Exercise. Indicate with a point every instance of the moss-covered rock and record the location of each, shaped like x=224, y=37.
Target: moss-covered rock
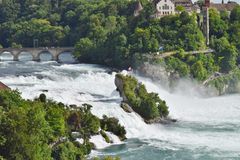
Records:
x=147, y=105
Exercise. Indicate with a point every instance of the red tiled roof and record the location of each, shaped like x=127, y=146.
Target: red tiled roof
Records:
x=3, y=86
x=226, y=6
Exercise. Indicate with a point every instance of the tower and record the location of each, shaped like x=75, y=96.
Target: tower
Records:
x=205, y=28
x=138, y=9
x=207, y=3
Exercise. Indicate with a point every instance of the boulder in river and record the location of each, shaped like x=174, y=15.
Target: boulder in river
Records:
x=136, y=98
x=126, y=107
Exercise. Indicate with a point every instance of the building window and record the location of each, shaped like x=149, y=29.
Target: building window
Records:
x=163, y=7
x=165, y=0
x=166, y=6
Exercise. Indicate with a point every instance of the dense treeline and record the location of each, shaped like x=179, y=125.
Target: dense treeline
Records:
x=224, y=39
x=120, y=39
x=103, y=31
x=106, y=32
x=44, y=129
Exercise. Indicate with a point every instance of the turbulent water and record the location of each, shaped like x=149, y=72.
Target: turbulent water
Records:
x=207, y=128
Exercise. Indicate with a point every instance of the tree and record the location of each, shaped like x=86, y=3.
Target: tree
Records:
x=66, y=151
x=218, y=27
x=226, y=54
x=24, y=129
x=234, y=34
x=180, y=9
x=84, y=47
x=235, y=14
x=198, y=71
x=9, y=10
x=200, y=3
x=224, y=16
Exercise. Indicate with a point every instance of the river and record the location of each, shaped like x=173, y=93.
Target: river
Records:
x=207, y=128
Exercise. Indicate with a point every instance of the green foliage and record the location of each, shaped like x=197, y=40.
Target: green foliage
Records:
x=148, y=105
x=24, y=128
x=107, y=158
x=235, y=14
x=234, y=33
x=8, y=10
x=111, y=124
x=199, y=67
x=42, y=129
x=104, y=135
x=82, y=120
x=226, y=54
x=111, y=158
x=84, y=47
x=43, y=98
x=175, y=64
x=218, y=27
x=112, y=36
x=180, y=9
x=106, y=32
x=198, y=71
x=227, y=83
x=66, y=151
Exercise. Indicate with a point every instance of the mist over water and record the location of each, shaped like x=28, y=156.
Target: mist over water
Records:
x=207, y=128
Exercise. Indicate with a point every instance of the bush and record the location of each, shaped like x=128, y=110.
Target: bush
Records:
x=42, y=129
x=81, y=119
x=42, y=97
x=66, y=151
x=104, y=135
x=111, y=124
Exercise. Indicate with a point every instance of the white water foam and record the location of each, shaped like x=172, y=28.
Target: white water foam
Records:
x=209, y=122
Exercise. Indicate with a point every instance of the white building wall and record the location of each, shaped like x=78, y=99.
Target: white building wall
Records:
x=165, y=7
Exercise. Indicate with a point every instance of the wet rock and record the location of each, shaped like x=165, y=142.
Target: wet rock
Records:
x=167, y=120
x=119, y=84
x=44, y=90
x=126, y=107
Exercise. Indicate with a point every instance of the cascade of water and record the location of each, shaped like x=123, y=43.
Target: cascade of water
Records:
x=203, y=122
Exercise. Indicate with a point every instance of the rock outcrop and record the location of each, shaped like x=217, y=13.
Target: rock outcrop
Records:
x=126, y=107
x=136, y=99
x=119, y=84
x=167, y=120
x=156, y=72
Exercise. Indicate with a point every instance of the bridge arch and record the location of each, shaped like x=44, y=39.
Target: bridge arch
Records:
x=24, y=55
x=6, y=52
x=66, y=56
x=44, y=55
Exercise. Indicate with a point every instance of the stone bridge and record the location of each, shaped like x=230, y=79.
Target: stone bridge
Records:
x=36, y=52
